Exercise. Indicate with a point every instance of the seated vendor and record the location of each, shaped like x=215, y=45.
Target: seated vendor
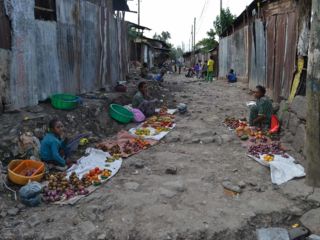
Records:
x=52, y=147
x=232, y=78
x=145, y=72
x=260, y=114
x=148, y=107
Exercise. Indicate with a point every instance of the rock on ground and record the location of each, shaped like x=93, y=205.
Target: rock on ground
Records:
x=311, y=220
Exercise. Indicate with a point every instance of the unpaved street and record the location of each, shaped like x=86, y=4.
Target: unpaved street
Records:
x=148, y=200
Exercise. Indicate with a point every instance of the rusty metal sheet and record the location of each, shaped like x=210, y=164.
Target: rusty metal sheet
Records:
x=279, y=55
x=47, y=60
x=5, y=31
x=258, y=55
x=90, y=46
x=290, y=54
x=86, y=49
x=271, y=45
x=113, y=52
x=69, y=58
x=233, y=53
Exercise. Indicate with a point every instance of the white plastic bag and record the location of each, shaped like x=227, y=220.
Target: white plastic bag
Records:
x=284, y=169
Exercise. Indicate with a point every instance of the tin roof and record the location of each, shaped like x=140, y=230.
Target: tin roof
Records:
x=120, y=5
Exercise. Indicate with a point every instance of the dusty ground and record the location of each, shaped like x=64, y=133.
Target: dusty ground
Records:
x=143, y=202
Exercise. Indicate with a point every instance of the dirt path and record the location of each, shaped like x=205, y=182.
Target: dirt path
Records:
x=144, y=202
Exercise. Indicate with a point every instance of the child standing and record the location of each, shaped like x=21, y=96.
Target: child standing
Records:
x=210, y=69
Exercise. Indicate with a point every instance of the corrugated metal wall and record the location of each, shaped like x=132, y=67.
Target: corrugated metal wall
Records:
x=257, y=58
x=86, y=49
x=282, y=35
x=5, y=32
x=233, y=54
x=272, y=48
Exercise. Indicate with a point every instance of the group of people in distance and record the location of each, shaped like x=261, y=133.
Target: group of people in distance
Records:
x=204, y=71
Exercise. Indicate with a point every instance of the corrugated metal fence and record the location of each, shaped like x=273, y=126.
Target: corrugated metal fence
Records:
x=269, y=56
x=233, y=54
x=84, y=50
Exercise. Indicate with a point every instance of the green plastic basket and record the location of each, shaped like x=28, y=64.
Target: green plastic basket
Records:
x=64, y=101
x=120, y=114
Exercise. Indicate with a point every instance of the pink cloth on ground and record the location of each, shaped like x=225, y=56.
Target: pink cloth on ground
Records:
x=138, y=115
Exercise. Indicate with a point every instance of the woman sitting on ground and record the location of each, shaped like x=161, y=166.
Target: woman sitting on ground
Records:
x=53, y=149
x=147, y=107
x=232, y=77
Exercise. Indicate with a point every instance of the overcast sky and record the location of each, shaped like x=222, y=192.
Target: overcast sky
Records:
x=176, y=16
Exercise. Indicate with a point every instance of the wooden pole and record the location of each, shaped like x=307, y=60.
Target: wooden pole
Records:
x=194, y=41
x=313, y=99
x=139, y=12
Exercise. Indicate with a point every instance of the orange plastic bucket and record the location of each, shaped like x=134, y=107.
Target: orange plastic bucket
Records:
x=22, y=171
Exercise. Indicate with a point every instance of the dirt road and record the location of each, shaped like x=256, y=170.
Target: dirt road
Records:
x=145, y=202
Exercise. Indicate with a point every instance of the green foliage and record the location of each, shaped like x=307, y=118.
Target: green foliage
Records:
x=164, y=36
x=208, y=43
x=176, y=53
x=224, y=21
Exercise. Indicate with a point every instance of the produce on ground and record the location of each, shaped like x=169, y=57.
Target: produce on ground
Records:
x=244, y=137
x=163, y=111
x=232, y=123
x=105, y=174
x=143, y=132
x=135, y=145
x=162, y=129
x=113, y=158
x=164, y=120
x=115, y=149
x=273, y=148
x=59, y=187
x=268, y=158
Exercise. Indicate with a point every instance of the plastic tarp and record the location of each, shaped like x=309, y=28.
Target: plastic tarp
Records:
x=282, y=169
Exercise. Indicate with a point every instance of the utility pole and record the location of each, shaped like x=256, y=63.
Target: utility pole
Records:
x=194, y=32
x=220, y=8
x=194, y=41
x=192, y=38
x=313, y=99
x=139, y=12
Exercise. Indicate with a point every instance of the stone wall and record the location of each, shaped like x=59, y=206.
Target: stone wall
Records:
x=293, y=123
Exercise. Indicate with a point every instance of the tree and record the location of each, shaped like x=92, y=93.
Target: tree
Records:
x=164, y=36
x=208, y=43
x=313, y=100
x=176, y=53
x=223, y=21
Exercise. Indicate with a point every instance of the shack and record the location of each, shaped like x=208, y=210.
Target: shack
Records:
x=191, y=58
x=266, y=44
x=151, y=51
x=55, y=46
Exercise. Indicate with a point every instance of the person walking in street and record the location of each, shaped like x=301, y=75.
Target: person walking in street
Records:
x=197, y=70
x=210, y=69
x=260, y=114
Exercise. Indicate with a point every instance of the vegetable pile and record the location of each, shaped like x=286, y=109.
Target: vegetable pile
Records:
x=143, y=132
x=60, y=187
x=115, y=149
x=135, y=145
x=270, y=149
x=165, y=121
x=232, y=123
